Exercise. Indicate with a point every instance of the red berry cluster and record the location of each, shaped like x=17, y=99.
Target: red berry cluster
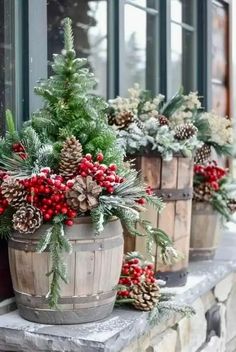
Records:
x=19, y=149
x=47, y=193
x=104, y=175
x=3, y=201
x=210, y=174
x=133, y=272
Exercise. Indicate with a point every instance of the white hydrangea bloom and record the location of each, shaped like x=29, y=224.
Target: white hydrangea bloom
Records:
x=221, y=128
x=192, y=101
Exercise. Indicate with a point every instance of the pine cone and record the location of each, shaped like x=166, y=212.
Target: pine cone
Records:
x=202, y=154
x=71, y=154
x=27, y=219
x=202, y=193
x=163, y=120
x=84, y=194
x=145, y=295
x=231, y=204
x=14, y=192
x=185, y=131
x=122, y=119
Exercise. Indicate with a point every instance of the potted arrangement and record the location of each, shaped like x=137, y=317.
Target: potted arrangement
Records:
x=162, y=138
x=64, y=183
x=212, y=206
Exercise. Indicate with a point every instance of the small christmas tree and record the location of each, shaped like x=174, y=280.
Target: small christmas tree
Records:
x=70, y=108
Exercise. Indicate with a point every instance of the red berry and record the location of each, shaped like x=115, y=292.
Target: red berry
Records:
x=1, y=210
x=113, y=167
x=47, y=216
x=57, y=183
x=88, y=156
x=64, y=210
x=110, y=189
x=100, y=157
x=70, y=183
x=69, y=222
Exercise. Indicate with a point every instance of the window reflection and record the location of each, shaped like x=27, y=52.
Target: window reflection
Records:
x=90, y=33
x=135, y=46
x=183, y=11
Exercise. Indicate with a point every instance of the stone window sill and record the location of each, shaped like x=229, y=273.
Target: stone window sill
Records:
x=125, y=329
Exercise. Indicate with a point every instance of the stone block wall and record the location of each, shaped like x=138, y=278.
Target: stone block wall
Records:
x=211, y=329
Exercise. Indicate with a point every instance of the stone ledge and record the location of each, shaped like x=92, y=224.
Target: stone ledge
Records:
x=112, y=334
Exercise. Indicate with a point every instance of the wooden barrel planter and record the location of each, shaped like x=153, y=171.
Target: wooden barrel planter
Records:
x=171, y=180
x=205, y=231
x=6, y=290
x=93, y=272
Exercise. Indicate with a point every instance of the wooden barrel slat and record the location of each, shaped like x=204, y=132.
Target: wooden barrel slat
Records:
x=205, y=231
x=93, y=271
x=176, y=178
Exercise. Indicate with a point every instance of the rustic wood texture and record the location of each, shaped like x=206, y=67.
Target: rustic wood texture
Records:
x=205, y=231
x=175, y=219
x=92, y=275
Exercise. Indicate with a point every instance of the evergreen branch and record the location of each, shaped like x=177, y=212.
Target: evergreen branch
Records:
x=68, y=35
x=10, y=123
x=6, y=226
x=57, y=243
x=166, y=309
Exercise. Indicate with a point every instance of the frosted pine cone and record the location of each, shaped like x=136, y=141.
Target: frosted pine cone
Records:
x=122, y=119
x=145, y=295
x=202, y=193
x=185, y=131
x=84, y=194
x=163, y=120
x=71, y=154
x=27, y=219
x=14, y=192
x=202, y=154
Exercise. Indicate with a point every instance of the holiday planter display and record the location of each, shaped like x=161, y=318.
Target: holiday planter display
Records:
x=164, y=138
x=64, y=189
x=212, y=205
x=93, y=272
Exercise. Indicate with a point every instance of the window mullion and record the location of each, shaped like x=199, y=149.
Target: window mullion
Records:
x=116, y=50
x=165, y=48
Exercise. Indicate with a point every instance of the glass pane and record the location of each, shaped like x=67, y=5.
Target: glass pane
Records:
x=183, y=68
x=176, y=57
x=6, y=59
x=135, y=47
x=182, y=11
x=90, y=33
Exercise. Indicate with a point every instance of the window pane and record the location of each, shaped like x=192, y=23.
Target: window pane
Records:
x=182, y=11
x=90, y=33
x=176, y=57
x=183, y=68
x=135, y=47
x=6, y=59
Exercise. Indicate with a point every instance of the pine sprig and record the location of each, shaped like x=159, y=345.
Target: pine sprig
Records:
x=58, y=244
x=68, y=35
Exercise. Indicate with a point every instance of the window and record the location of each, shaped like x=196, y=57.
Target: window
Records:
x=183, y=65
x=90, y=33
x=140, y=57
x=7, y=59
